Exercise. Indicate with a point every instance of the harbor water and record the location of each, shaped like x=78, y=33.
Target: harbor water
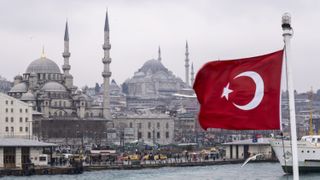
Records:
x=252, y=171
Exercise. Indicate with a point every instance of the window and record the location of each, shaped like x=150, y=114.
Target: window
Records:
x=12, y=110
x=12, y=119
x=149, y=125
x=130, y=125
x=6, y=101
x=139, y=125
x=55, y=104
x=6, y=109
x=149, y=135
x=26, y=110
x=167, y=134
x=21, y=129
x=26, y=119
x=20, y=119
x=27, y=129
x=11, y=102
x=139, y=135
x=158, y=135
x=167, y=125
x=7, y=119
x=158, y=125
x=20, y=110
x=7, y=129
x=12, y=129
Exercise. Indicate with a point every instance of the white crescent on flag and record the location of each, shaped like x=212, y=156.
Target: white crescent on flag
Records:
x=259, y=92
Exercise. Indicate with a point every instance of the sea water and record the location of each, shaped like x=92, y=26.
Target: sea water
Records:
x=252, y=171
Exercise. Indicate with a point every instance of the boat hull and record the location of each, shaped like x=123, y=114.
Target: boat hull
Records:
x=308, y=155
x=302, y=169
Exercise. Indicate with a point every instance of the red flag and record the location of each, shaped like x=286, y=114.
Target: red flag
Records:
x=240, y=94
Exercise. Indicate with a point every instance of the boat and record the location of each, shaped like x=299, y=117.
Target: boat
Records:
x=308, y=153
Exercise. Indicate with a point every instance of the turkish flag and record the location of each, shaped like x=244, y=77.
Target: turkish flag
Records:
x=241, y=94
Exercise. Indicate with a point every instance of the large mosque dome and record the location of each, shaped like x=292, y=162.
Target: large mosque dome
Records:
x=153, y=66
x=53, y=87
x=43, y=65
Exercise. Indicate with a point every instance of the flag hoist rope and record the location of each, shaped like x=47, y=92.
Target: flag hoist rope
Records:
x=287, y=35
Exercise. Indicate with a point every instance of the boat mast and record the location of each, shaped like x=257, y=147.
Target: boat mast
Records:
x=287, y=35
x=311, y=109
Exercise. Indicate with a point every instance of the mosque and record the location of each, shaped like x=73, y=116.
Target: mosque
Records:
x=53, y=93
x=65, y=114
x=63, y=111
x=153, y=85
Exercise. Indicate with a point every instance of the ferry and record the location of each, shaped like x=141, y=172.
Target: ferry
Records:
x=308, y=153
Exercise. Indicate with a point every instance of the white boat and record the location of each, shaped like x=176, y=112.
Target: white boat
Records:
x=308, y=153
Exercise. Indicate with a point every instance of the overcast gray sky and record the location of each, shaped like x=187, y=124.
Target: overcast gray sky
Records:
x=223, y=29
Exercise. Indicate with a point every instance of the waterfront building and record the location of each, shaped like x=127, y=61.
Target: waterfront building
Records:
x=15, y=152
x=243, y=149
x=15, y=117
x=148, y=128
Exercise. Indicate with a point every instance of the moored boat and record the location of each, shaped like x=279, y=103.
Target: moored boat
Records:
x=308, y=153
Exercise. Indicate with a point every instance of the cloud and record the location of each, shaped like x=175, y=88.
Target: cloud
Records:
x=214, y=29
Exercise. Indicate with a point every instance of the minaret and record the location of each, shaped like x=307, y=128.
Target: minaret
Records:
x=192, y=74
x=159, y=54
x=187, y=64
x=68, y=81
x=106, y=71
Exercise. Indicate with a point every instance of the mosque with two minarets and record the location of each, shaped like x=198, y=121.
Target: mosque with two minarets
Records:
x=65, y=112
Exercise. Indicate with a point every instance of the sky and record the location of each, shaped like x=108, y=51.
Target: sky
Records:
x=225, y=29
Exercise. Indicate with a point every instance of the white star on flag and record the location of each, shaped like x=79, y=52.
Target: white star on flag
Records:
x=226, y=92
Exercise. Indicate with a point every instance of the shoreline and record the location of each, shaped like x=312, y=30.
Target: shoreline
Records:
x=54, y=170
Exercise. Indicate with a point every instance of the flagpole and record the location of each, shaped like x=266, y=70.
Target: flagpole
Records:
x=287, y=35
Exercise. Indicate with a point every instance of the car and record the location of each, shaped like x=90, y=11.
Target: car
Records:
x=148, y=157
x=160, y=157
x=131, y=157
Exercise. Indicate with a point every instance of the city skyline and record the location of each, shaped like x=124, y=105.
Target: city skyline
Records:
x=214, y=30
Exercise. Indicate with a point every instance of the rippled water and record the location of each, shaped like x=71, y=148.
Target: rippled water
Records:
x=252, y=171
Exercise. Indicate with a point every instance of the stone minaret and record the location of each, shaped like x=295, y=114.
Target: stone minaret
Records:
x=106, y=71
x=159, y=54
x=187, y=64
x=192, y=74
x=68, y=81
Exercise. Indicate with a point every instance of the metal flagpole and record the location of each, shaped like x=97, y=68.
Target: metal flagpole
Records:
x=287, y=34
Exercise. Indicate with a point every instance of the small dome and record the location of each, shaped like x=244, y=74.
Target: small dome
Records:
x=53, y=87
x=27, y=97
x=43, y=65
x=153, y=65
x=21, y=87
